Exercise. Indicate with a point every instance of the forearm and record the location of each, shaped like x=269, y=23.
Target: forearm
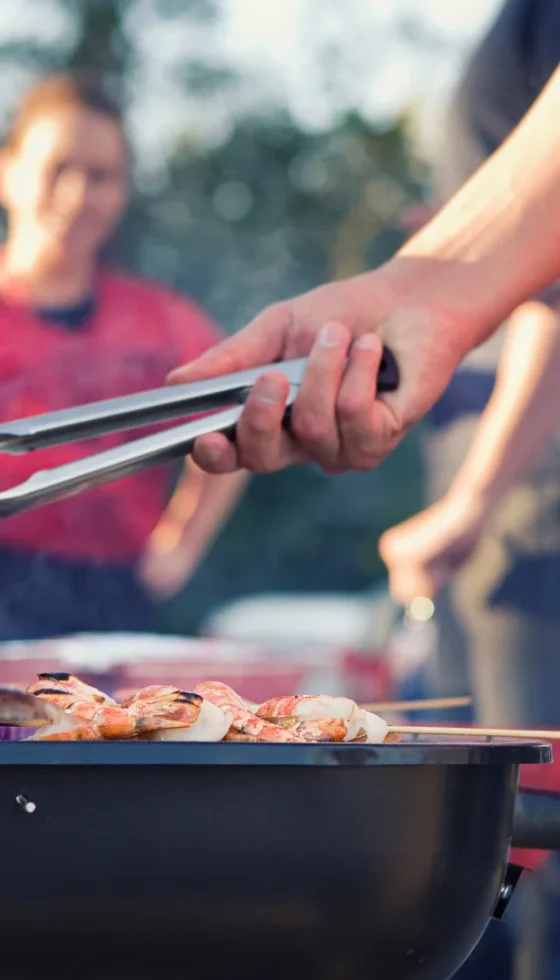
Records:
x=198, y=508
x=217, y=499
x=180, y=509
x=497, y=242
x=524, y=409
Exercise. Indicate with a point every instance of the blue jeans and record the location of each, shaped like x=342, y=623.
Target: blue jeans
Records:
x=42, y=597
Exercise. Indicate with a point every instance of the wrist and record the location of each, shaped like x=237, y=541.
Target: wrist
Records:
x=450, y=289
x=471, y=258
x=423, y=290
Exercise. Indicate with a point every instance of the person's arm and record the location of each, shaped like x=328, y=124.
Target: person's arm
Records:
x=498, y=238
x=524, y=409
x=186, y=530
x=493, y=246
x=422, y=553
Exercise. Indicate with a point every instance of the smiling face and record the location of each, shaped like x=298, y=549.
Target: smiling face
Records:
x=65, y=182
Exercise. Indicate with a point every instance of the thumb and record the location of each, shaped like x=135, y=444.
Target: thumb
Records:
x=261, y=342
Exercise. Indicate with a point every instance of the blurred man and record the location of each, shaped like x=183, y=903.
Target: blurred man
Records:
x=508, y=593
x=489, y=548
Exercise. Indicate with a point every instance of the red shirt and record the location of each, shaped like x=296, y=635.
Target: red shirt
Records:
x=136, y=335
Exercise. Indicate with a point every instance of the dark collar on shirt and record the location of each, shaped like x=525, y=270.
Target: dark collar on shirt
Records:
x=74, y=317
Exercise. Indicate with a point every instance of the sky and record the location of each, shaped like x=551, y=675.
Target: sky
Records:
x=317, y=58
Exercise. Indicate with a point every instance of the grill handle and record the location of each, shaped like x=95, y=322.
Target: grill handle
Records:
x=536, y=822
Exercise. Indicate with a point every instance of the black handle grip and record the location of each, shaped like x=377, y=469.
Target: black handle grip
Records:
x=388, y=376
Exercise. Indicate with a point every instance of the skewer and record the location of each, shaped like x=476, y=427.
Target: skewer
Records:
x=470, y=732
x=429, y=704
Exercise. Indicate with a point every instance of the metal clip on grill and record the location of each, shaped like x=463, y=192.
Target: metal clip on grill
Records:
x=132, y=411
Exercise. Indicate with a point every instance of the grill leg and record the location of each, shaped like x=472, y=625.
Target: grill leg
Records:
x=529, y=954
x=534, y=927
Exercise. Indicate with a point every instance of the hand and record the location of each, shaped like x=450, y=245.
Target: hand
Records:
x=336, y=420
x=164, y=571
x=423, y=553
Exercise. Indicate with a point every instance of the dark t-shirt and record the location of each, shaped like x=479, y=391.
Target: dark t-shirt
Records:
x=503, y=79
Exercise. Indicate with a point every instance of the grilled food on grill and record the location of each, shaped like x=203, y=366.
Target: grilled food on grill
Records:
x=242, y=718
x=61, y=707
x=211, y=725
x=97, y=716
x=322, y=717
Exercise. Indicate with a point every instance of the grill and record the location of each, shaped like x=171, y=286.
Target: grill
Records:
x=204, y=860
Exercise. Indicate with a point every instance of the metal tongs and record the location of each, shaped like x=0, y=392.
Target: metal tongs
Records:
x=132, y=411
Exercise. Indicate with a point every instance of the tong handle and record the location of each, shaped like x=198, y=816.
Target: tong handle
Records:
x=388, y=375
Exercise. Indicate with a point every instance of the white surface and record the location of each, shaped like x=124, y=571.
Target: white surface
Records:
x=326, y=621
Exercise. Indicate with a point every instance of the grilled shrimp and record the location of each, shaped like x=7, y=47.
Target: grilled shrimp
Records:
x=62, y=707
x=210, y=726
x=232, y=735
x=242, y=719
x=154, y=692
x=322, y=717
x=97, y=719
x=70, y=685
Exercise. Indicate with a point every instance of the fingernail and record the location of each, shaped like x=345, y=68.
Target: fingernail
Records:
x=332, y=335
x=268, y=391
x=368, y=341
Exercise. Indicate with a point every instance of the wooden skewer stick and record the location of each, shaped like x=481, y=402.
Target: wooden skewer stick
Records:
x=430, y=704
x=474, y=732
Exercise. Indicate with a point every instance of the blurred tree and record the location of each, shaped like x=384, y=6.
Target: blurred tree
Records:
x=270, y=212
x=101, y=43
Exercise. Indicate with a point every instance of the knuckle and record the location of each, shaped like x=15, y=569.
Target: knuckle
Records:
x=364, y=459
x=350, y=405
x=310, y=428
x=258, y=424
x=258, y=465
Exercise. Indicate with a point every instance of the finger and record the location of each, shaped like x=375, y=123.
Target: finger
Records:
x=356, y=401
x=407, y=583
x=314, y=421
x=261, y=342
x=386, y=547
x=439, y=574
x=262, y=441
x=215, y=454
